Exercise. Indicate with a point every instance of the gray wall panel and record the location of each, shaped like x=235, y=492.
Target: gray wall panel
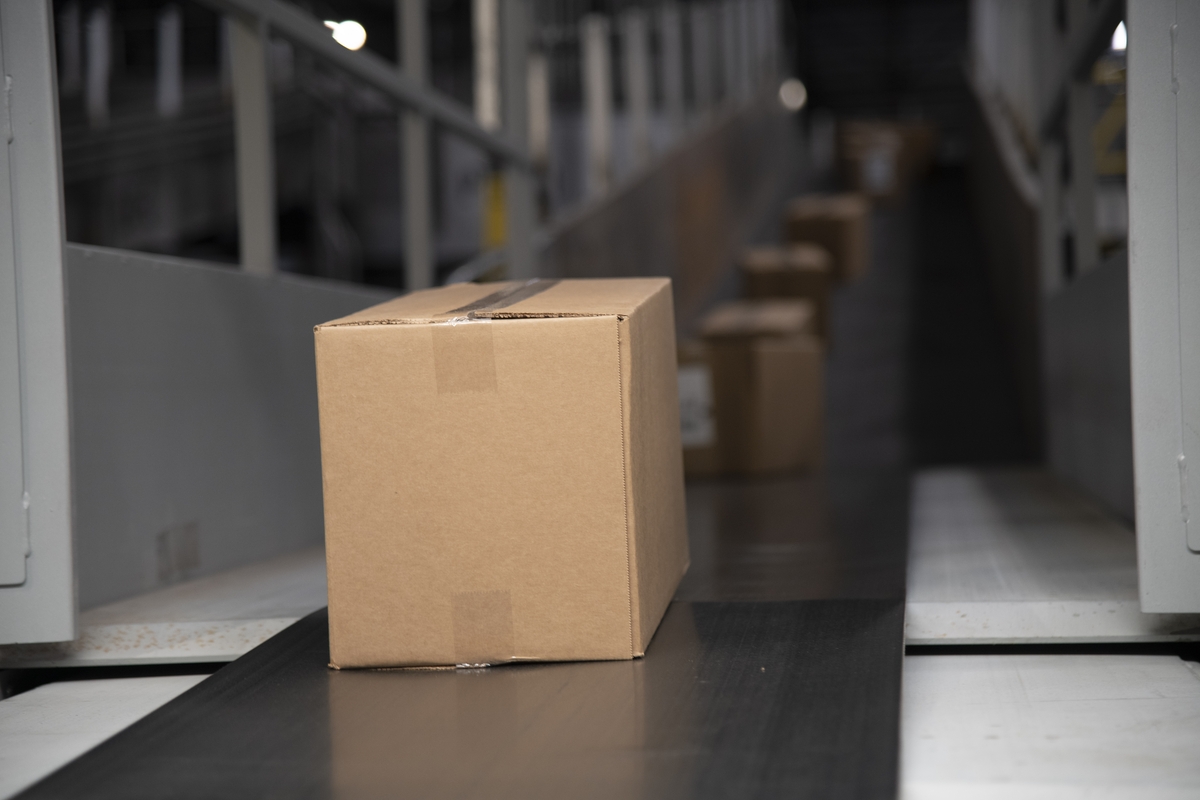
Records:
x=194, y=410
x=1088, y=411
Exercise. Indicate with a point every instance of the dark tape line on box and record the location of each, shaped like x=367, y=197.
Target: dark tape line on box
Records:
x=505, y=297
x=483, y=628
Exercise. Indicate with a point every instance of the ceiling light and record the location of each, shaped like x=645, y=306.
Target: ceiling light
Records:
x=792, y=94
x=349, y=34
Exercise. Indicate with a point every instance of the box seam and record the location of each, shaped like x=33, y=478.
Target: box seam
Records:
x=625, y=485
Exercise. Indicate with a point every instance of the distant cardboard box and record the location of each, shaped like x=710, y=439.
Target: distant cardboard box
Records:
x=697, y=414
x=502, y=472
x=800, y=270
x=882, y=158
x=840, y=223
x=768, y=385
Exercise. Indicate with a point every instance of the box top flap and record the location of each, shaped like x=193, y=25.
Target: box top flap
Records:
x=846, y=204
x=759, y=318
x=512, y=300
x=801, y=256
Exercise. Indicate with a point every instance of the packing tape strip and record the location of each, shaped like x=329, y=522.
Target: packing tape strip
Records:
x=464, y=355
x=483, y=628
x=505, y=297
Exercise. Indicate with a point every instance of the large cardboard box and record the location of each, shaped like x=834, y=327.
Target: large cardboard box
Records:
x=768, y=385
x=838, y=222
x=502, y=470
x=798, y=270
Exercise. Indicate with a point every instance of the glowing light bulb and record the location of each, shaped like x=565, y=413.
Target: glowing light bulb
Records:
x=349, y=34
x=793, y=94
x=1120, y=37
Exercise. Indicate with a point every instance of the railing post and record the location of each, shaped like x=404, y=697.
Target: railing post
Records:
x=99, y=65
x=1080, y=117
x=254, y=146
x=702, y=56
x=597, y=101
x=671, y=35
x=169, y=78
x=635, y=65
x=518, y=181
x=414, y=147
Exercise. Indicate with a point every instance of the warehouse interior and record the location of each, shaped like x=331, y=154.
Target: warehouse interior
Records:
x=896, y=479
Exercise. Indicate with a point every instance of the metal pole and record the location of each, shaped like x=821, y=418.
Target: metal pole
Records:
x=1049, y=225
x=253, y=144
x=597, y=98
x=671, y=35
x=99, y=63
x=414, y=148
x=702, y=57
x=1080, y=114
x=169, y=77
x=636, y=72
x=518, y=182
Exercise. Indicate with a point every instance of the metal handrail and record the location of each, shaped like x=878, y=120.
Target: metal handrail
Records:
x=303, y=29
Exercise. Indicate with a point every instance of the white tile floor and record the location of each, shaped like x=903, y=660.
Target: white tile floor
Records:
x=44, y=728
x=978, y=727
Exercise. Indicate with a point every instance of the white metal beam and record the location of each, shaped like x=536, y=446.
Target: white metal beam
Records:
x=254, y=144
x=418, y=221
x=42, y=608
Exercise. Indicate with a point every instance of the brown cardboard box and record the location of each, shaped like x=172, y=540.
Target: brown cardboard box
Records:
x=884, y=157
x=697, y=417
x=837, y=222
x=502, y=473
x=871, y=159
x=799, y=270
x=768, y=385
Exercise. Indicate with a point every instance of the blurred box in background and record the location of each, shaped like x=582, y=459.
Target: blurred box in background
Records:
x=882, y=158
x=837, y=222
x=697, y=416
x=802, y=271
x=768, y=385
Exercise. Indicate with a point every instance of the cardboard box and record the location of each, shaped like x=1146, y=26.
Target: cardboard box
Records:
x=502, y=473
x=800, y=270
x=768, y=385
x=871, y=160
x=838, y=222
x=697, y=415
x=884, y=157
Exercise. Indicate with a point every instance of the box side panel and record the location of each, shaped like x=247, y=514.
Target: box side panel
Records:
x=659, y=519
x=474, y=492
x=789, y=393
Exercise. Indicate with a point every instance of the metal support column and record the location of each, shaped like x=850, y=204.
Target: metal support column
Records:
x=254, y=144
x=670, y=31
x=597, y=102
x=414, y=144
x=518, y=181
x=1049, y=223
x=702, y=57
x=1080, y=120
x=635, y=69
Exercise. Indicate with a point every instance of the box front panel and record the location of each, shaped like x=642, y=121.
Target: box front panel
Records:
x=474, y=490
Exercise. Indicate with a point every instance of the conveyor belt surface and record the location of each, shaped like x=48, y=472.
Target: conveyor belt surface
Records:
x=776, y=672
x=733, y=700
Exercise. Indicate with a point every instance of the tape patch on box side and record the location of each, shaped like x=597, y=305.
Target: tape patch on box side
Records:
x=464, y=357
x=483, y=628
